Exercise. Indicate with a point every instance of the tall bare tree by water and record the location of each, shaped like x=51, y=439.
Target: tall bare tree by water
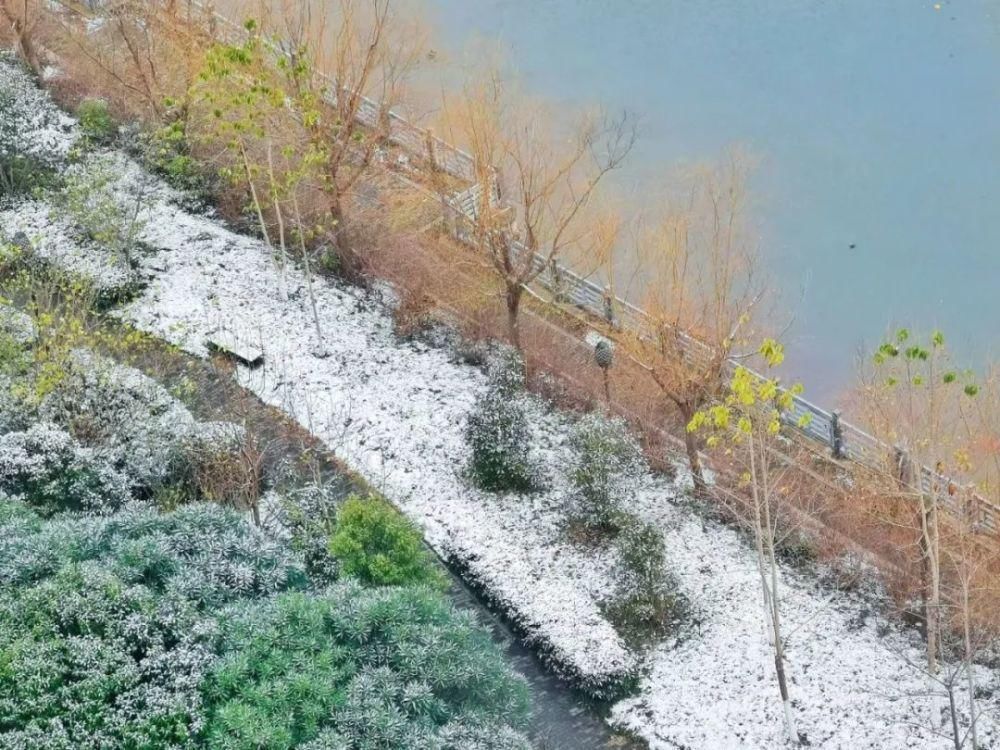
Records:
x=695, y=272
x=538, y=175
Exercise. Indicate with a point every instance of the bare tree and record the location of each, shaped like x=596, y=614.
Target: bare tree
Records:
x=536, y=181
x=695, y=272
x=971, y=617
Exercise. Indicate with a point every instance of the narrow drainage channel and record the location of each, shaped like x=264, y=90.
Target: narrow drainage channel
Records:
x=562, y=718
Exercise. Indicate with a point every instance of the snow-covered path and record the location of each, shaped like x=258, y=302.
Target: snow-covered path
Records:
x=395, y=411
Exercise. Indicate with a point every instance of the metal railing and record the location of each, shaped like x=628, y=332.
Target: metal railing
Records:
x=844, y=440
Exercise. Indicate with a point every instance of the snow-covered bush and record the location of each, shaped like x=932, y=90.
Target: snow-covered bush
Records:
x=646, y=603
x=16, y=326
x=193, y=629
x=482, y=736
x=108, y=626
x=131, y=421
x=506, y=370
x=360, y=668
x=378, y=546
x=607, y=465
x=497, y=431
x=305, y=515
x=34, y=135
x=93, y=663
x=103, y=207
x=216, y=557
x=52, y=472
x=12, y=411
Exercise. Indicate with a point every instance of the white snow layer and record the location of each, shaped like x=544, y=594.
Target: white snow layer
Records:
x=395, y=411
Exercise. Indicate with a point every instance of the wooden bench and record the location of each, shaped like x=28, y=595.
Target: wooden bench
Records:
x=231, y=345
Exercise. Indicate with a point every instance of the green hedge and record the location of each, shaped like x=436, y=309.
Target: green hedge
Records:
x=191, y=629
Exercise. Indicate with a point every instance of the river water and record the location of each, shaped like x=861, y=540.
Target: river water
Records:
x=875, y=126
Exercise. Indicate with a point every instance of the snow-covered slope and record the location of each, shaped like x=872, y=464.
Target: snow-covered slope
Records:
x=395, y=411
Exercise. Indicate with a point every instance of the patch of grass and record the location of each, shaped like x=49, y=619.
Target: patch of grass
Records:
x=96, y=122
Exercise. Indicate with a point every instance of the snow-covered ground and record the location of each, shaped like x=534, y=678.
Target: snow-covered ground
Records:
x=395, y=411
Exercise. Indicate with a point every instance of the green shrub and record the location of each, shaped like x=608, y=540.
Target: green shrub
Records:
x=376, y=545
x=167, y=151
x=607, y=464
x=497, y=431
x=192, y=629
x=52, y=472
x=95, y=121
x=359, y=668
x=107, y=626
x=646, y=603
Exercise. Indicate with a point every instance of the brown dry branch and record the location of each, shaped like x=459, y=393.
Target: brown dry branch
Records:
x=22, y=18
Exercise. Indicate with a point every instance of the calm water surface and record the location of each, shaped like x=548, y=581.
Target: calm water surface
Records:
x=877, y=126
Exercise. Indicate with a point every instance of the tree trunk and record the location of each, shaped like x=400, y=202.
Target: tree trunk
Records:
x=694, y=457
x=970, y=680
x=22, y=36
x=513, y=299
x=929, y=547
x=953, y=713
x=320, y=349
x=767, y=565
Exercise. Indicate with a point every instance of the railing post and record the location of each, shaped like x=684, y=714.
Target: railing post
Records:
x=431, y=151
x=903, y=467
x=609, y=307
x=836, y=436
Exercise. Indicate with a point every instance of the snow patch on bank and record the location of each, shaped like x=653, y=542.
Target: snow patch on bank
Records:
x=45, y=132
